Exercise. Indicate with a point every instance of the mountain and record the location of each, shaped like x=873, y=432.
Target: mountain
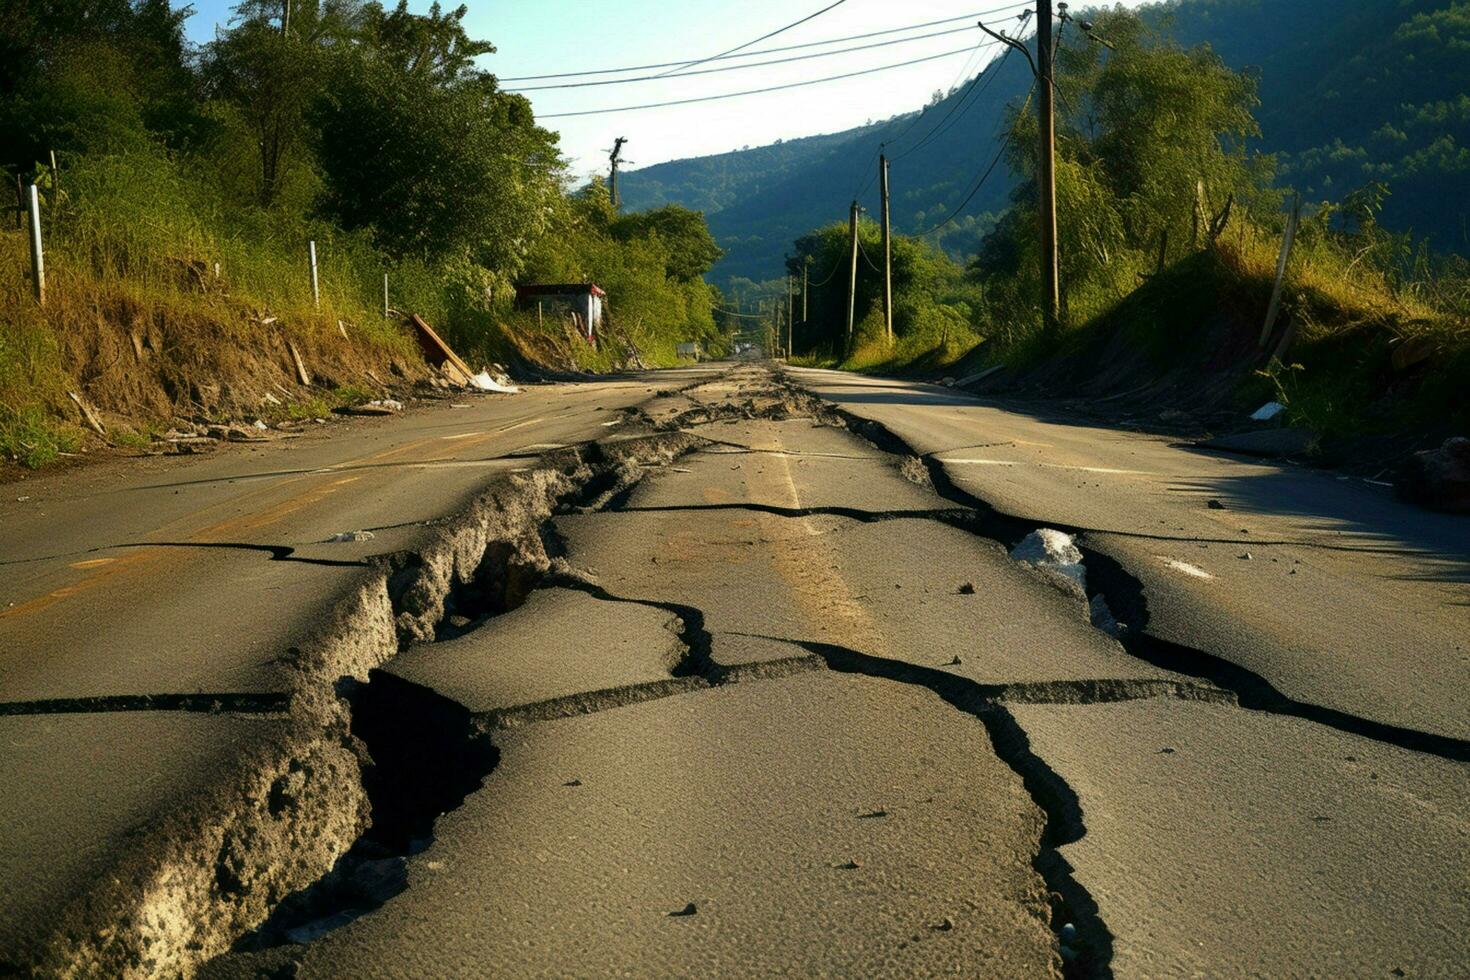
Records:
x=1364, y=91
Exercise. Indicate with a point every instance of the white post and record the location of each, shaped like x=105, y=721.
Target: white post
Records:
x=38, y=258
x=316, y=293
x=385, y=296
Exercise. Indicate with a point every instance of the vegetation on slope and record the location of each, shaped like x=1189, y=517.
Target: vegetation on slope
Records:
x=190, y=182
x=1153, y=150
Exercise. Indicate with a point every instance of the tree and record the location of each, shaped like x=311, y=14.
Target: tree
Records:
x=85, y=75
x=272, y=70
x=692, y=249
x=418, y=144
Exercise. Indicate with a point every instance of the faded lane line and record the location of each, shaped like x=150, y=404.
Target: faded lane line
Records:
x=86, y=583
x=823, y=593
x=1054, y=466
x=105, y=569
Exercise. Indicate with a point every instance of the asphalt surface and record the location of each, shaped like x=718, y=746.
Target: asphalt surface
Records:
x=1326, y=587
x=744, y=688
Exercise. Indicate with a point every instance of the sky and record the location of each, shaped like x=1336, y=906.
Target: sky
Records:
x=538, y=37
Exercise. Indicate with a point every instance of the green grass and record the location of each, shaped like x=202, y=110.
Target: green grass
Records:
x=31, y=437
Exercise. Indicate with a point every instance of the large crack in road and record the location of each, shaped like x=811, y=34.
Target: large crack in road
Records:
x=412, y=682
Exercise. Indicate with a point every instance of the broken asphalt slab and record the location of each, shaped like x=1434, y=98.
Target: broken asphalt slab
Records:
x=906, y=851
x=1224, y=842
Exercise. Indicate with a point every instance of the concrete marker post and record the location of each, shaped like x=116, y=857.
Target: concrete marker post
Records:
x=385, y=296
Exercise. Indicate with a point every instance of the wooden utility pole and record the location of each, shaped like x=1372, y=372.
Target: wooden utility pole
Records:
x=38, y=256
x=852, y=228
x=1046, y=178
x=1051, y=295
x=887, y=252
x=615, y=158
x=790, y=315
x=805, y=268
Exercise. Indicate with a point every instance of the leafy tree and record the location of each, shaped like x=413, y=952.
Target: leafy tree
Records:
x=272, y=70
x=418, y=144
x=692, y=249
x=88, y=75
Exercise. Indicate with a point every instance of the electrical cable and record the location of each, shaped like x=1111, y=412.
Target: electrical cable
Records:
x=1005, y=145
x=828, y=278
x=882, y=146
x=864, y=253
x=763, y=37
x=755, y=91
x=925, y=111
x=976, y=88
x=751, y=54
x=753, y=64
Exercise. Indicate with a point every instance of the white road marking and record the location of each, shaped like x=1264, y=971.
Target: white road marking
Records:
x=1183, y=566
x=1054, y=466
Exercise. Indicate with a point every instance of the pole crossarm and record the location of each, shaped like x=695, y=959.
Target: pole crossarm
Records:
x=1011, y=42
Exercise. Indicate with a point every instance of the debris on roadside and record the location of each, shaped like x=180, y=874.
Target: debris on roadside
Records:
x=485, y=381
x=1267, y=412
x=1438, y=478
x=343, y=536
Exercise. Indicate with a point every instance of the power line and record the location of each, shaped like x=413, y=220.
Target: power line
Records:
x=828, y=277
x=1005, y=145
x=753, y=64
x=864, y=253
x=754, y=91
x=751, y=54
x=925, y=111
x=975, y=89
x=763, y=37
x=873, y=173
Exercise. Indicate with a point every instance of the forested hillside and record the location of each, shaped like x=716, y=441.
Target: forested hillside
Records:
x=1362, y=92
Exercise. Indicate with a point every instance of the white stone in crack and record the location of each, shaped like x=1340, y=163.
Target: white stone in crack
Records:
x=1053, y=551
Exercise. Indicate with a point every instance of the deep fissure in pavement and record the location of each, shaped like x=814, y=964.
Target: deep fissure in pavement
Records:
x=1126, y=596
x=427, y=756
x=426, y=753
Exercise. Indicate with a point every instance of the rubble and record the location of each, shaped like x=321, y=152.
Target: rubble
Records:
x=1438, y=478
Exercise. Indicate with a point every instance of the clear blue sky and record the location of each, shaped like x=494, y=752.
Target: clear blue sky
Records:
x=536, y=37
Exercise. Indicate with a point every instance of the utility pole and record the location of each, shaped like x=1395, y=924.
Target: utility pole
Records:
x=805, y=268
x=852, y=226
x=1051, y=295
x=790, y=315
x=887, y=252
x=615, y=157
x=1046, y=179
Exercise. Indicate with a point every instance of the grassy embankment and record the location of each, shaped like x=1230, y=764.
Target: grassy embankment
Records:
x=137, y=322
x=1199, y=322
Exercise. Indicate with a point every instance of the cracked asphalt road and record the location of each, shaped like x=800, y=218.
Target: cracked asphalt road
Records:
x=740, y=687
